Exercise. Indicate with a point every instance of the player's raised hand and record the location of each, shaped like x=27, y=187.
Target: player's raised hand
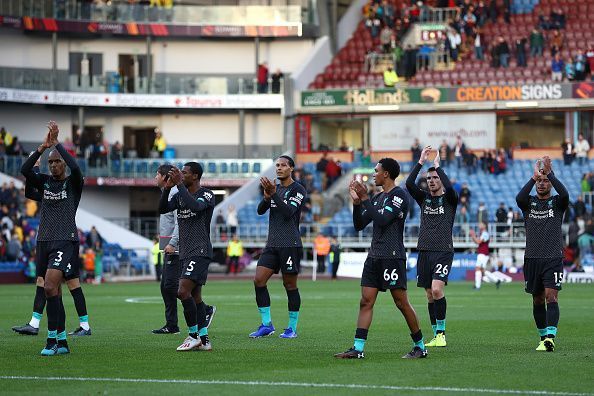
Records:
x=272, y=187
x=537, y=170
x=361, y=190
x=54, y=131
x=264, y=191
x=436, y=159
x=471, y=233
x=46, y=143
x=547, y=165
x=353, y=193
x=175, y=176
x=425, y=154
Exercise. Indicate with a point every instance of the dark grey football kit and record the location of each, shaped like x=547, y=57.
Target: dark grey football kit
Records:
x=283, y=249
x=543, y=218
x=435, y=244
x=57, y=238
x=385, y=266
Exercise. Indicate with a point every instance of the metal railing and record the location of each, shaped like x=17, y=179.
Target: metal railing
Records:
x=126, y=263
x=502, y=234
x=438, y=15
x=375, y=62
x=111, y=82
x=148, y=227
x=147, y=168
x=437, y=59
x=289, y=12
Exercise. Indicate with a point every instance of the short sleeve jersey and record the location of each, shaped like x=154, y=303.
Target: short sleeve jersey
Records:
x=437, y=221
x=59, y=203
x=194, y=227
x=388, y=241
x=543, y=219
x=283, y=231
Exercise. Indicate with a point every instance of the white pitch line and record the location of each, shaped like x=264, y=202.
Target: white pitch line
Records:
x=297, y=384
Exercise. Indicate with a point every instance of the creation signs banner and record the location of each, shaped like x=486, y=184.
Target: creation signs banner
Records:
x=397, y=132
x=360, y=99
x=271, y=101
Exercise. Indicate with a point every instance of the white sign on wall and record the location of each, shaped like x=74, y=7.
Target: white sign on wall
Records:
x=398, y=132
x=351, y=264
x=270, y=101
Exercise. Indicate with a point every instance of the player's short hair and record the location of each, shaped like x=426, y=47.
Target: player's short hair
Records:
x=432, y=169
x=391, y=166
x=196, y=168
x=289, y=159
x=164, y=169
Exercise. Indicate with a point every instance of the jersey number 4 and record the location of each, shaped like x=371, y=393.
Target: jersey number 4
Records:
x=289, y=263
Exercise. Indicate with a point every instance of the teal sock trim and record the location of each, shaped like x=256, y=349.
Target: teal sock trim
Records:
x=551, y=330
x=420, y=344
x=37, y=315
x=359, y=344
x=434, y=327
x=441, y=325
x=84, y=318
x=62, y=336
x=52, y=334
x=293, y=319
x=203, y=331
x=193, y=329
x=542, y=332
x=265, y=315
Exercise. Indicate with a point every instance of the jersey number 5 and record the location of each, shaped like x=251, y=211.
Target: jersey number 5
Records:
x=191, y=266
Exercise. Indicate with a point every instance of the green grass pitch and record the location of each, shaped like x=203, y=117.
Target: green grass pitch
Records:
x=491, y=341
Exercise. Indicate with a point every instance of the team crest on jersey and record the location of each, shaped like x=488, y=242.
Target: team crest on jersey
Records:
x=428, y=200
x=207, y=195
x=440, y=201
x=550, y=203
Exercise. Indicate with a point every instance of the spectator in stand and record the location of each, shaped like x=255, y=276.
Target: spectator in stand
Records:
x=557, y=19
x=232, y=221
x=482, y=13
x=590, y=60
x=424, y=55
x=77, y=141
x=454, y=41
x=321, y=169
x=568, y=152
x=13, y=248
x=501, y=216
x=557, y=67
x=322, y=248
x=459, y=151
x=276, y=81
x=536, y=42
x=465, y=193
x=388, y=13
x=93, y=238
x=115, y=155
x=569, y=70
x=506, y=11
x=479, y=40
x=262, y=77
x=500, y=163
x=582, y=148
x=159, y=144
x=585, y=183
x=463, y=218
x=580, y=66
x=335, y=251
x=5, y=137
x=469, y=22
x=385, y=38
x=556, y=42
x=544, y=22
x=416, y=149
x=471, y=162
x=390, y=77
x=444, y=153
x=89, y=264
x=579, y=208
x=482, y=215
x=333, y=172
x=16, y=148
x=493, y=11
x=317, y=204
x=521, y=52
x=373, y=23
x=502, y=51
